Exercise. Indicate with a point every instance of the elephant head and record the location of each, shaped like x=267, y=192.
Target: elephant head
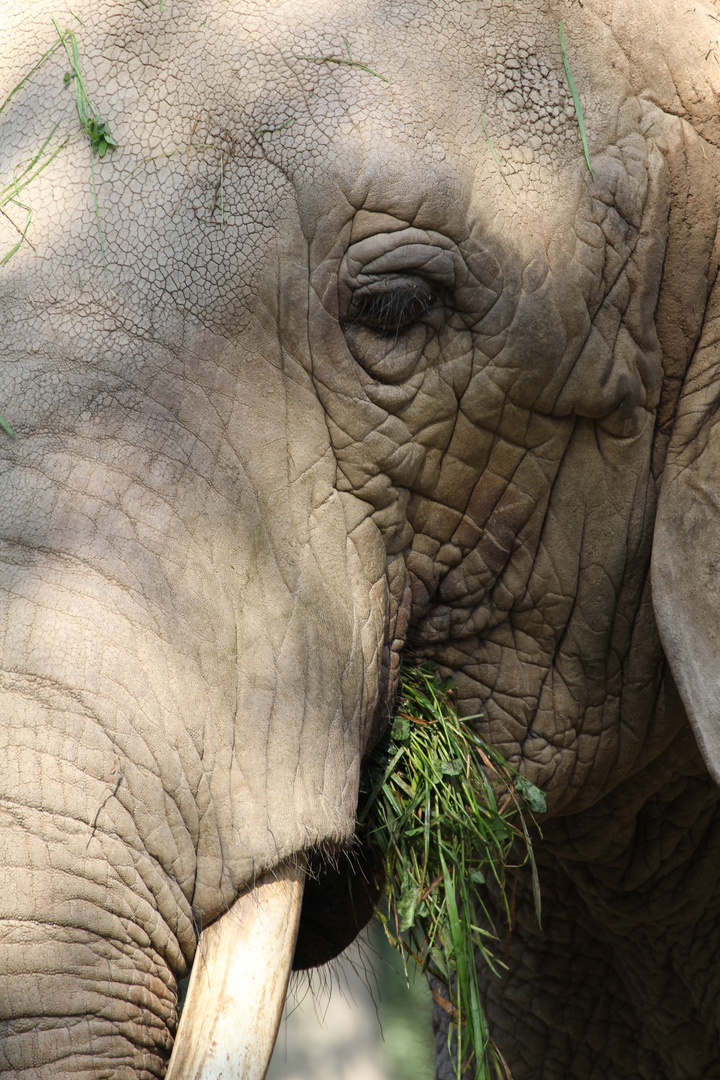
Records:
x=343, y=349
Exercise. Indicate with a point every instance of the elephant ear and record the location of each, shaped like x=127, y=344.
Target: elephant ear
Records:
x=686, y=545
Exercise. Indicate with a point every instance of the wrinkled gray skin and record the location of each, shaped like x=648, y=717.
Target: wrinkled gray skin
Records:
x=233, y=496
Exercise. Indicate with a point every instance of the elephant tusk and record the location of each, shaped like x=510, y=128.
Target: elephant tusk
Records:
x=238, y=983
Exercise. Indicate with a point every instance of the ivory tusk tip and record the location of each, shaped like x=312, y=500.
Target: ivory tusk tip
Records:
x=244, y=957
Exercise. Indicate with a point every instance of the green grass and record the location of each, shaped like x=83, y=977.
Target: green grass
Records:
x=23, y=175
x=492, y=149
x=273, y=130
x=346, y=61
x=576, y=101
x=29, y=75
x=444, y=813
x=96, y=129
x=92, y=125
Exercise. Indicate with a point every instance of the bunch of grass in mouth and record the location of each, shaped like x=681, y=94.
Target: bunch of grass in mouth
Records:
x=444, y=813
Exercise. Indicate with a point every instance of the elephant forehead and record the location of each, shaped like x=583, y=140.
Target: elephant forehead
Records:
x=356, y=105
x=225, y=117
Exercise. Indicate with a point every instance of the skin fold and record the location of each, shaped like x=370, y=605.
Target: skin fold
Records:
x=343, y=351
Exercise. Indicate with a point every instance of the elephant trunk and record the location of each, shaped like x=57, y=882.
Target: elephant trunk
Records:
x=172, y=730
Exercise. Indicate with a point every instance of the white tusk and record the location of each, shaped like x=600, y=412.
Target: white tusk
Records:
x=238, y=983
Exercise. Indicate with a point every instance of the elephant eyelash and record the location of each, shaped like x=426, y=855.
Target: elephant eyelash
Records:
x=392, y=310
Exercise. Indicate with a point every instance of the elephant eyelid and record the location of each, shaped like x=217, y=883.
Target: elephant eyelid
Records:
x=393, y=307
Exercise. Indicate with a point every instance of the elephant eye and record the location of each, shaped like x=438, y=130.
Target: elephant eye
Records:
x=392, y=305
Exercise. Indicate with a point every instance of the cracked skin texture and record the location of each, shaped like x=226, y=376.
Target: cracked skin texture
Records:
x=238, y=490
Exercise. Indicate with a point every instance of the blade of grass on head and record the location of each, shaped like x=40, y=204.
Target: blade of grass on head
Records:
x=29, y=75
x=3, y=422
x=576, y=101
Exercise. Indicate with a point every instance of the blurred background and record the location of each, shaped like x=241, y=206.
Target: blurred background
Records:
x=357, y=1019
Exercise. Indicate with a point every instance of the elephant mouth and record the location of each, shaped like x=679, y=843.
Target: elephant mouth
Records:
x=338, y=902
x=343, y=885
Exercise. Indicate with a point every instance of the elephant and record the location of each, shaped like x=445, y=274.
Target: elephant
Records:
x=334, y=333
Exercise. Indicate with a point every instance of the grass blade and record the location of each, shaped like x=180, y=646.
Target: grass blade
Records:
x=344, y=61
x=576, y=101
x=29, y=75
x=6, y=258
x=492, y=149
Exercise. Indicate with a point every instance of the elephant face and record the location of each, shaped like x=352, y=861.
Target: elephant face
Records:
x=373, y=361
